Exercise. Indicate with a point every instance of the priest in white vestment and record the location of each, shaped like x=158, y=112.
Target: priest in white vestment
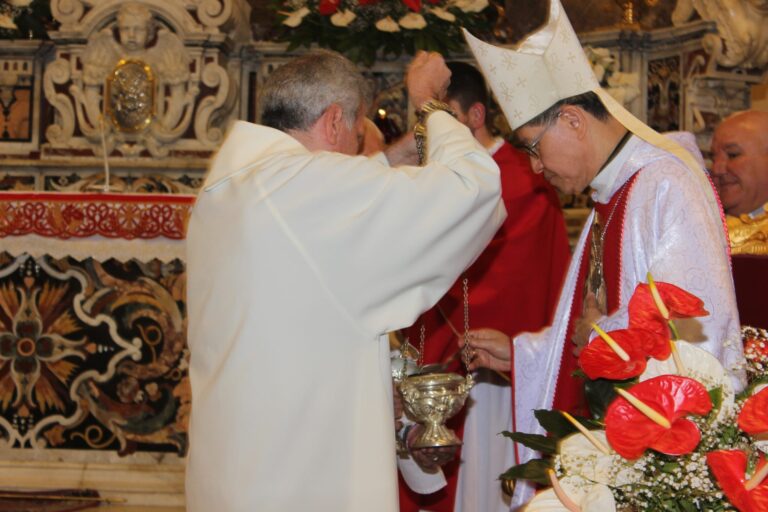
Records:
x=655, y=212
x=299, y=258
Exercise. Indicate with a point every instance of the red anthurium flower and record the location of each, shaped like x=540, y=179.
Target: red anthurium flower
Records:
x=630, y=432
x=729, y=468
x=328, y=7
x=599, y=360
x=414, y=5
x=753, y=418
x=644, y=313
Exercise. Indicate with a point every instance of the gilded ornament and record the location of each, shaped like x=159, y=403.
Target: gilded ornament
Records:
x=749, y=235
x=130, y=96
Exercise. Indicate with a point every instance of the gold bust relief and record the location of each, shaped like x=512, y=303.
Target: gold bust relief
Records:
x=130, y=96
x=749, y=235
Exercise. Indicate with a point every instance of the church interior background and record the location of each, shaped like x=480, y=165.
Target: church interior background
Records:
x=109, y=113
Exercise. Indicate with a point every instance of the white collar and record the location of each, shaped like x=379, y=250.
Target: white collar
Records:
x=758, y=212
x=603, y=184
x=497, y=143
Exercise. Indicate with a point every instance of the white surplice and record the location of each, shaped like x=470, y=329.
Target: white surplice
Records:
x=673, y=228
x=297, y=263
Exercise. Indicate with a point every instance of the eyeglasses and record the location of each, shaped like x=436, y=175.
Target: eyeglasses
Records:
x=532, y=148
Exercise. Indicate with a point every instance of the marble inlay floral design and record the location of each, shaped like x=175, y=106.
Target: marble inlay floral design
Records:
x=92, y=354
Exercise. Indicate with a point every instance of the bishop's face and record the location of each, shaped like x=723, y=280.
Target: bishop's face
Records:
x=557, y=153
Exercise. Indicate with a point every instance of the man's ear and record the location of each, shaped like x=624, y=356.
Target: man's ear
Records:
x=332, y=120
x=476, y=116
x=575, y=119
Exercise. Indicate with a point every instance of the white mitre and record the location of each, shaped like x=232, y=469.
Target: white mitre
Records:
x=550, y=66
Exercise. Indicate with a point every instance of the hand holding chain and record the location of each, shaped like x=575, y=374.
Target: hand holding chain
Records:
x=420, y=128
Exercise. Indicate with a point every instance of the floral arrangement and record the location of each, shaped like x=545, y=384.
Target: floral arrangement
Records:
x=25, y=19
x=668, y=432
x=362, y=28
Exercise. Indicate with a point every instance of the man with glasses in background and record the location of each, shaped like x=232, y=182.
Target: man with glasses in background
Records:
x=655, y=213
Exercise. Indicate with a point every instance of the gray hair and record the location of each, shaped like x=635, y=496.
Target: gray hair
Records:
x=296, y=94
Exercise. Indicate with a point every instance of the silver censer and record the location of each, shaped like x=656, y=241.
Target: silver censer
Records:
x=432, y=399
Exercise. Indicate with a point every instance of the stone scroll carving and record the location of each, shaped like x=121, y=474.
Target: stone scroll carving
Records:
x=143, y=79
x=212, y=14
x=742, y=39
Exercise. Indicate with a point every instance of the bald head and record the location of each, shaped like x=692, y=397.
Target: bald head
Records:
x=740, y=161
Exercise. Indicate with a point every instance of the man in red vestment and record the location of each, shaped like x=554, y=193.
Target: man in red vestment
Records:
x=512, y=286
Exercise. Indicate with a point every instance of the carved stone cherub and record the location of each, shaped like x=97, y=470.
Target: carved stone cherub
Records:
x=137, y=36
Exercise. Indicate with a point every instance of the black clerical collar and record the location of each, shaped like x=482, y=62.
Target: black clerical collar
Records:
x=616, y=150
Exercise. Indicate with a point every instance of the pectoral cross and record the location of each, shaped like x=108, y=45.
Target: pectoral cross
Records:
x=595, y=281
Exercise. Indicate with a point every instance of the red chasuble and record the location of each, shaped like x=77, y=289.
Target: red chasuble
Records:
x=569, y=393
x=513, y=287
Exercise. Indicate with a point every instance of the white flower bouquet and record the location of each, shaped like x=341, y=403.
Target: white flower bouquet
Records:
x=366, y=29
x=668, y=432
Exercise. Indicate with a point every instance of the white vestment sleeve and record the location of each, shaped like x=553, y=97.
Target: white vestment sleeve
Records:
x=419, y=480
x=411, y=231
x=673, y=230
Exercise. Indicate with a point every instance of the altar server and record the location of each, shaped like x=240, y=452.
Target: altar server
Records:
x=300, y=257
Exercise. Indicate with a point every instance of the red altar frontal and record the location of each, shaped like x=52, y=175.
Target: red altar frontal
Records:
x=93, y=322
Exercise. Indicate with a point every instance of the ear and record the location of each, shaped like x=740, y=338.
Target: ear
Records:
x=476, y=116
x=575, y=119
x=332, y=120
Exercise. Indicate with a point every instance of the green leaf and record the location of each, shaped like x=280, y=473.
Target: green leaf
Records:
x=537, y=442
x=534, y=470
x=600, y=393
x=559, y=427
x=716, y=395
x=670, y=467
x=688, y=506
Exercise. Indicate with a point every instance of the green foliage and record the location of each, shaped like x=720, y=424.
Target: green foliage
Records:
x=716, y=395
x=362, y=42
x=536, y=442
x=534, y=470
x=559, y=427
x=600, y=393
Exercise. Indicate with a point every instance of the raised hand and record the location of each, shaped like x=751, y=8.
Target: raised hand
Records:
x=427, y=78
